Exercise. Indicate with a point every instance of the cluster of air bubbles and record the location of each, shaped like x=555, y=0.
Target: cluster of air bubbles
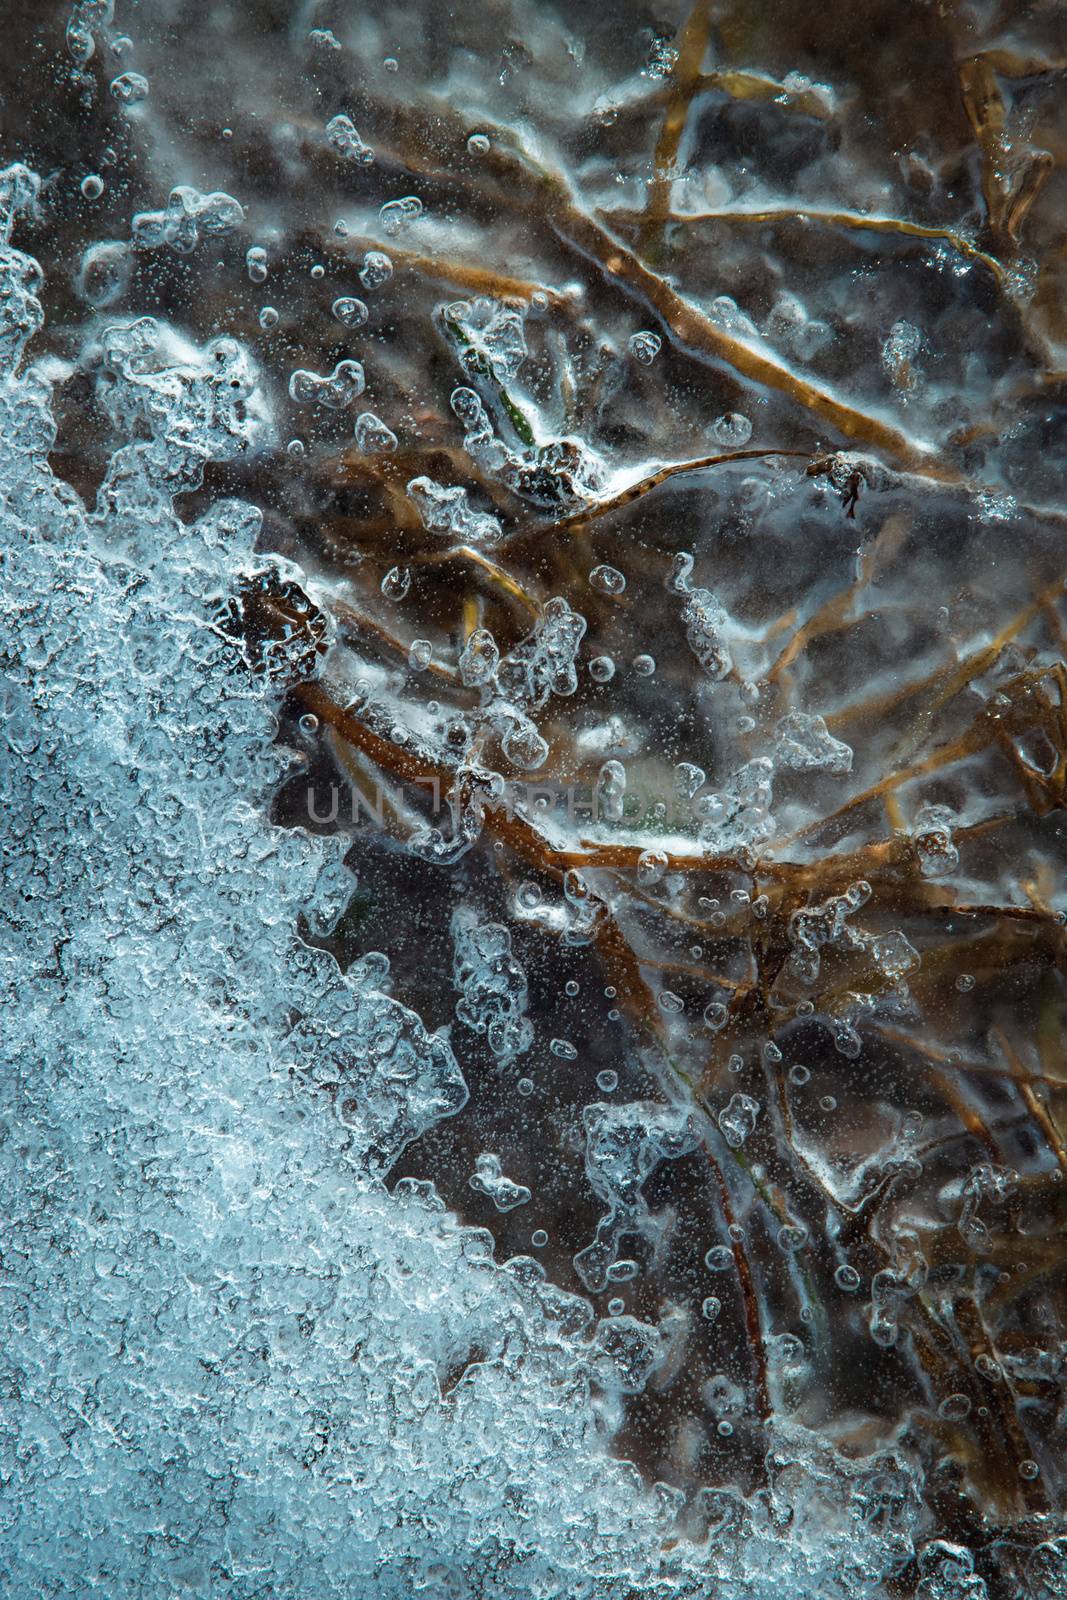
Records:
x=343, y=137
x=900, y=354
x=728, y=314
x=624, y=1145
x=189, y=215
x=813, y=927
x=86, y=19
x=704, y=618
x=488, y=335
x=788, y=323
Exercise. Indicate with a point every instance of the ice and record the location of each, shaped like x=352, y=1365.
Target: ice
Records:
x=343, y=137
x=802, y=742
x=492, y=985
x=705, y=623
x=488, y=1179
x=521, y=1074
x=624, y=1145
x=189, y=216
x=228, y=1343
x=449, y=511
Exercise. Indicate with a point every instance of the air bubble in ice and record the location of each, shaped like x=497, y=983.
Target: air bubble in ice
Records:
x=450, y=511
x=86, y=18
x=932, y=833
x=396, y=215
x=803, y=743
x=609, y=580
x=104, y=273
x=611, y=790
x=487, y=1178
x=732, y=431
x=129, y=88
x=350, y=310
x=645, y=347
x=376, y=270
x=705, y=622
x=543, y=664
x=489, y=335
x=738, y=1119
x=479, y=659
x=492, y=985
x=651, y=866
x=188, y=215
x=680, y=573
x=624, y=1145
x=689, y=778
x=372, y=436
x=343, y=137
x=900, y=353
x=344, y=384
x=256, y=263
x=396, y=583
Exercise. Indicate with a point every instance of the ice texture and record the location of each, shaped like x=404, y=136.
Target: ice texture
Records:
x=532, y=939
x=234, y=1361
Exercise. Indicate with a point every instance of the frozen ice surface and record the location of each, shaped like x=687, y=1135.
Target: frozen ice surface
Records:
x=234, y=1362
x=532, y=943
